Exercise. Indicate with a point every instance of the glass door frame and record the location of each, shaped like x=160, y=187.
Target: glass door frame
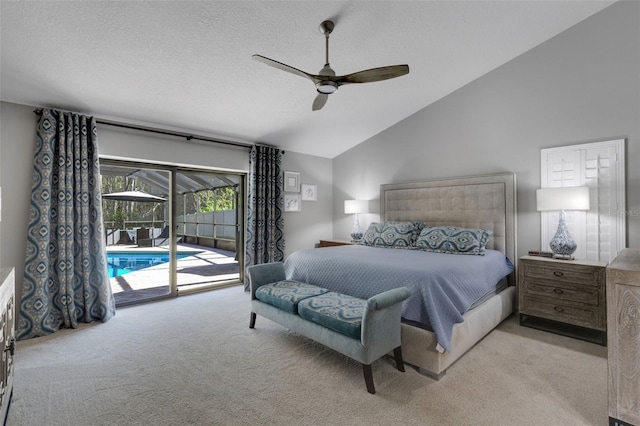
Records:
x=173, y=170
x=240, y=228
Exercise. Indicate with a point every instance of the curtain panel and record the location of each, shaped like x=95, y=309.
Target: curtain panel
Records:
x=264, y=240
x=66, y=279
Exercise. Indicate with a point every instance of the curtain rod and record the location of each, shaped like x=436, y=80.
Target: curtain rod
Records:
x=187, y=136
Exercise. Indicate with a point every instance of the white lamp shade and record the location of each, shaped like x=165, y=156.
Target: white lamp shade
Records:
x=356, y=206
x=568, y=198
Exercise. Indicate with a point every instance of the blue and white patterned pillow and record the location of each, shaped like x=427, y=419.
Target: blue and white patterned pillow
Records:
x=453, y=240
x=392, y=234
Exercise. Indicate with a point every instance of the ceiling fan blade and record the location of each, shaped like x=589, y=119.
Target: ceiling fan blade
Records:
x=319, y=101
x=285, y=67
x=373, y=74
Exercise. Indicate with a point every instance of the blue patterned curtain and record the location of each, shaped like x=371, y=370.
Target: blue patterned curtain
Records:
x=66, y=279
x=264, y=241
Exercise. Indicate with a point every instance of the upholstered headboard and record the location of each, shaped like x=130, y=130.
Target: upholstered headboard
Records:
x=487, y=202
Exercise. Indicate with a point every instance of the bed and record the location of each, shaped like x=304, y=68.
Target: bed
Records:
x=434, y=332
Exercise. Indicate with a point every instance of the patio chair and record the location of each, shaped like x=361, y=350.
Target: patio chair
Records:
x=160, y=240
x=125, y=239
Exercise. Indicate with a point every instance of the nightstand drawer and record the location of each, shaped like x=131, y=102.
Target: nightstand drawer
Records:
x=561, y=291
x=576, y=314
x=565, y=273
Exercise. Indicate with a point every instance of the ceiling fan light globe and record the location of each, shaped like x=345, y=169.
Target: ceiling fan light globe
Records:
x=326, y=87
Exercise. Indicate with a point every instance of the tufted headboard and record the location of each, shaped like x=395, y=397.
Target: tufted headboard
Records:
x=487, y=202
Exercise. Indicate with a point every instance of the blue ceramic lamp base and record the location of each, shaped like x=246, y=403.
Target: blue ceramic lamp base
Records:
x=356, y=233
x=562, y=245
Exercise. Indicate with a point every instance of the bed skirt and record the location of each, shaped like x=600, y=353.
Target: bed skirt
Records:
x=419, y=345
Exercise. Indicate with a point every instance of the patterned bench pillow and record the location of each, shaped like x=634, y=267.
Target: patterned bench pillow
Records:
x=287, y=294
x=453, y=240
x=335, y=311
x=392, y=234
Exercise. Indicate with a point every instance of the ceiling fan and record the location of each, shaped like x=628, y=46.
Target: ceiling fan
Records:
x=326, y=81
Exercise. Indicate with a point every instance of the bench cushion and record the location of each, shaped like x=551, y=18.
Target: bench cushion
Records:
x=286, y=294
x=335, y=311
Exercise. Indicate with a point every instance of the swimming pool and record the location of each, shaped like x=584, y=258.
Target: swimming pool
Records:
x=124, y=262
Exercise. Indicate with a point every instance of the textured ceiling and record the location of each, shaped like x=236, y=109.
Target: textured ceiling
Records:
x=187, y=65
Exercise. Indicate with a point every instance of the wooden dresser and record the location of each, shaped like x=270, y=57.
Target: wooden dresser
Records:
x=7, y=324
x=623, y=320
x=564, y=296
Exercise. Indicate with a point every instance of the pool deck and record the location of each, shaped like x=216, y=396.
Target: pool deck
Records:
x=202, y=268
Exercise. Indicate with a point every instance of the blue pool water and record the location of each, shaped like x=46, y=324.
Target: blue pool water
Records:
x=121, y=263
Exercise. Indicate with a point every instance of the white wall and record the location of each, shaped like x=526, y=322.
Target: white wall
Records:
x=581, y=86
x=17, y=142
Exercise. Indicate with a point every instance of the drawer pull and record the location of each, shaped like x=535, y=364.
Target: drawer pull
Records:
x=558, y=309
x=558, y=291
x=558, y=273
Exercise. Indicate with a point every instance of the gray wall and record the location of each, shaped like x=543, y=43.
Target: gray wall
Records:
x=314, y=222
x=581, y=86
x=17, y=142
x=17, y=132
x=115, y=142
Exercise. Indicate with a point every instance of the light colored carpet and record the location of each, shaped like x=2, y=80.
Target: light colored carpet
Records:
x=194, y=360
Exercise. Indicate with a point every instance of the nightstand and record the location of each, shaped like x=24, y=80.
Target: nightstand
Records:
x=332, y=243
x=563, y=296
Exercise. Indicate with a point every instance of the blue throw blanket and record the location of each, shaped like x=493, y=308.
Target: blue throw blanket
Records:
x=443, y=286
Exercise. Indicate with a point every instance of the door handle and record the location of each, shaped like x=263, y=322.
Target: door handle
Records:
x=11, y=346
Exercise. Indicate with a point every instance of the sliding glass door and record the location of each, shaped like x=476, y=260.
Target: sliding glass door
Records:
x=208, y=217
x=170, y=230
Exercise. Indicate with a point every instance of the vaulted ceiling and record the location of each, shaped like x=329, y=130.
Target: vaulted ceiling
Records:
x=186, y=65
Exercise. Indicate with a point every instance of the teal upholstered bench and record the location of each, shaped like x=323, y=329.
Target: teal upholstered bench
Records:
x=363, y=330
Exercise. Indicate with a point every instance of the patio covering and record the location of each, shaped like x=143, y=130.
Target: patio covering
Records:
x=133, y=196
x=186, y=181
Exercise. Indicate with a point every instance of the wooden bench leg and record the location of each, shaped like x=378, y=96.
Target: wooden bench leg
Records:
x=397, y=352
x=252, y=320
x=368, y=378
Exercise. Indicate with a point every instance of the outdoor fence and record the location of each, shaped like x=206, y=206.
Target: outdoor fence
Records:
x=218, y=224
x=213, y=229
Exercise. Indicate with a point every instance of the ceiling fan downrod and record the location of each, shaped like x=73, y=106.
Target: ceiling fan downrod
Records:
x=326, y=28
x=326, y=87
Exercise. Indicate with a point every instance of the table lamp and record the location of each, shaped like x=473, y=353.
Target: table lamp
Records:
x=560, y=199
x=355, y=207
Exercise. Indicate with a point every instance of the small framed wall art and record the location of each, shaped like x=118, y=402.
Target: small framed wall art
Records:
x=291, y=202
x=292, y=182
x=309, y=192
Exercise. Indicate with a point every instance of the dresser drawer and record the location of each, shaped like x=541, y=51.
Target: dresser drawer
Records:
x=562, y=291
x=571, y=313
x=565, y=273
